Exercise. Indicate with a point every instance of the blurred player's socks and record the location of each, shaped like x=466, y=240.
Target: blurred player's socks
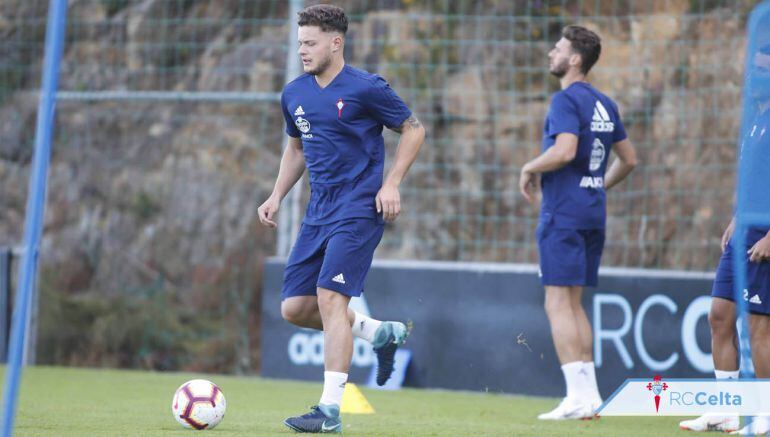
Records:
x=714, y=422
x=592, y=389
x=727, y=374
x=365, y=327
x=334, y=387
x=575, y=378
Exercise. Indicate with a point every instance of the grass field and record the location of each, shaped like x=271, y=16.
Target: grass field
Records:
x=86, y=402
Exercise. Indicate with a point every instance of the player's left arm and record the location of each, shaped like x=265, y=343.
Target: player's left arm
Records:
x=555, y=157
x=388, y=199
x=623, y=165
x=760, y=251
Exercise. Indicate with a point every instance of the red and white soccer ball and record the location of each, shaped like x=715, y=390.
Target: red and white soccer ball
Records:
x=198, y=404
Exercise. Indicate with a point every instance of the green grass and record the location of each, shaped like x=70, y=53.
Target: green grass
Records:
x=86, y=402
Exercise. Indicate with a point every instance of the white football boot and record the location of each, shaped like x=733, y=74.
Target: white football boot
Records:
x=569, y=409
x=712, y=422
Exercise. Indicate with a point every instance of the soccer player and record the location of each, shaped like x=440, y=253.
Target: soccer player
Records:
x=722, y=317
x=334, y=117
x=581, y=126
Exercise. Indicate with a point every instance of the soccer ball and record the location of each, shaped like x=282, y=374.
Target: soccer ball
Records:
x=198, y=404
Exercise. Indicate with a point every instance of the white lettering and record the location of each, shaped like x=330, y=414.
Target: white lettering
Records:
x=602, y=126
x=695, y=311
x=614, y=335
x=297, y=345
x=670, y=305
x=592, y=182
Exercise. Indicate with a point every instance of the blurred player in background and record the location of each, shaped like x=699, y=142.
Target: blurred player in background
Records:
x=722, y=318
x=581, y=126
x=334, y=117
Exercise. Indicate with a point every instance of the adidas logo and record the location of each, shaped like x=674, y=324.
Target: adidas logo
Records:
x=299, y=111
x=339, y=279
x=755, y=300
x=601, y=120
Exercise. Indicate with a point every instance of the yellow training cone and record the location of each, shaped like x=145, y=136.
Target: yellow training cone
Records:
x=354, y=402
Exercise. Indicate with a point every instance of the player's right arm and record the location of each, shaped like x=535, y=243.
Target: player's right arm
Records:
x=555, y=157
x=291, y=169
x=622, y=166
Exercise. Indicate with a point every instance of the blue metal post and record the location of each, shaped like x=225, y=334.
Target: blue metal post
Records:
x=54, y=41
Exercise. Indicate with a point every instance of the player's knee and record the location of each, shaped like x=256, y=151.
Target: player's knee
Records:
x=557, y=305
x=722, y=322
x=330, y=303
x=293, y=314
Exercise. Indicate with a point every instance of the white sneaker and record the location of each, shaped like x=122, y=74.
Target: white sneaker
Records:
x=759, y=426
x=569, y=409
x=711, y=422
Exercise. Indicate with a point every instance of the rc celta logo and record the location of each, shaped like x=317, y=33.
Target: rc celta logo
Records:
x=657, y=386
x=689, y=397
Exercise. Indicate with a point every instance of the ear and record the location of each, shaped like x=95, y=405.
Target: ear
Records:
x=575, y=60
x=337, y=41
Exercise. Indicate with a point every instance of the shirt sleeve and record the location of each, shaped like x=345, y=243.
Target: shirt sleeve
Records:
x=385, y=105
x=291, y=129
x=619, y=134
x=564, y=118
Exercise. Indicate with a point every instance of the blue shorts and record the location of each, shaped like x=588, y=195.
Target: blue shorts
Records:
x=757, y=277
x=569, y=257
x=336, y=256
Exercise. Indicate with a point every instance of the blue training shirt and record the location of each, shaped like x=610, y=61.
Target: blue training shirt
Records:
x=573, y=196
x=341, y=131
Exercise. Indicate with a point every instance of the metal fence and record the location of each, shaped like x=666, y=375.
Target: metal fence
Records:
x=169, y=135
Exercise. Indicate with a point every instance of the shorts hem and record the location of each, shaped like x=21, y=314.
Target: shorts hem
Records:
x=285, y=296
x=338, y=289
x=566, y=284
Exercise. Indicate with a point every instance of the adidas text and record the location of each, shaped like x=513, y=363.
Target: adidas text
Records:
x=592, y=182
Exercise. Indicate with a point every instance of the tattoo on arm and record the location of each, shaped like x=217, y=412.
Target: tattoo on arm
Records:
x=411, y=123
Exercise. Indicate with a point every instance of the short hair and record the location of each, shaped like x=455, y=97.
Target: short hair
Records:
x=329, y=18
x=585, y=43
